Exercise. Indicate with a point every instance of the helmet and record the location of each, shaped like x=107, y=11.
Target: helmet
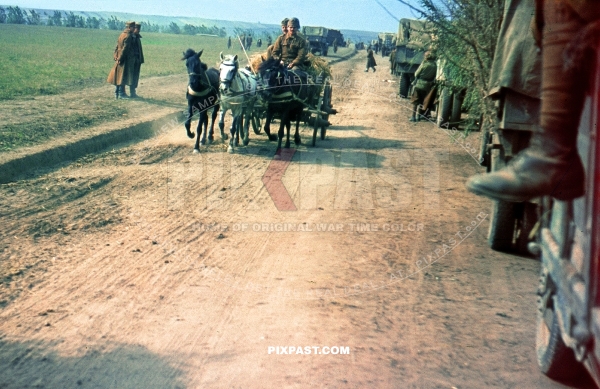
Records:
x=294, y=22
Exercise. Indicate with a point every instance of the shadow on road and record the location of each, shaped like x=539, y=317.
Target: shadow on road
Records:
x=32, y=364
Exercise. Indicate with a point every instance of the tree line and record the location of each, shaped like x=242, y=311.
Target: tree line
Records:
x=16, y=15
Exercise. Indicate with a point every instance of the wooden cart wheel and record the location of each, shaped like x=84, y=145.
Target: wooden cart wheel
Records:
x=317, y=118
x=325, y=107
x=255, y=121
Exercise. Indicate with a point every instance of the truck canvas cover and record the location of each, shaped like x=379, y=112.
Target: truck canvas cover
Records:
x=386, y=37
x=314, y=31
x=413, y=33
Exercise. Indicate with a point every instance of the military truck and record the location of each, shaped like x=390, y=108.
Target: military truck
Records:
x=317, y=39
x=332, y=35
x=387, y=42
x=411, y=43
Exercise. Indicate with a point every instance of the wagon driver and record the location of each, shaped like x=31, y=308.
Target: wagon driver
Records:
x=290, y=49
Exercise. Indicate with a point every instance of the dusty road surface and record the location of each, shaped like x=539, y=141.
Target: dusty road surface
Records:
x=364, y=264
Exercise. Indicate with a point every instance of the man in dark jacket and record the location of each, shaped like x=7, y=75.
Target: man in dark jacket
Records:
x=424, y=77
x=370, y=60
x=291, y=49
x=122, y=72
x=138, y=60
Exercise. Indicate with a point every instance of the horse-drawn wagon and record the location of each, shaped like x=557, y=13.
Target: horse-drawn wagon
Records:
x=315, y=112
x=268, y=90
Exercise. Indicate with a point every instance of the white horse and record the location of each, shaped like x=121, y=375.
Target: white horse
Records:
x=238, y=94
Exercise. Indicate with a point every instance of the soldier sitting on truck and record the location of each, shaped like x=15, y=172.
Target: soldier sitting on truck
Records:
x=424, y=77
x=551, y=166
x=291, y=49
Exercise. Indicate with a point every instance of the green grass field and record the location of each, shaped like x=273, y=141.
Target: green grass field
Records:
x=40, y=60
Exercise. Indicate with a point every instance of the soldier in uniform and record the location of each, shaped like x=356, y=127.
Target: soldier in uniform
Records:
x=229, y=43
x=284, y=23
x=291, y=49
x=551, y=165
x=122, y=72
x=392, y=60
x=424, y=77
x=269, y=40
x=138, y=55
x=370, y=60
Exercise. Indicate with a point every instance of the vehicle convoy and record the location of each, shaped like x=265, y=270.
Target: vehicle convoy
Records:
x=332, y=35
x=387, y=42
x=411, y=43
x=568, y=317
x=317, y=39
x=407, y=53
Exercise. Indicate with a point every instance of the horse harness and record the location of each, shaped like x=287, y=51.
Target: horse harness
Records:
x=206, y=91
x=289, y=95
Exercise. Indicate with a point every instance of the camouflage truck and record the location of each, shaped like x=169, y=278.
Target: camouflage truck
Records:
x=387, y=42
x=317, y=39
x=332, y=35
x=411, y=43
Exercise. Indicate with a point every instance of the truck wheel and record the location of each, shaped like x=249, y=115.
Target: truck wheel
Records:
x=444, y=107
x=525, y=223
x=404, y=84
x=502, y=226
x=255, y=121
x=554, y=358
x=502, y=217
x=484, y=154
x=457, y=101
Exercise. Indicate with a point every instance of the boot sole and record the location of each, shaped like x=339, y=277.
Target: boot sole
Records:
x=561, y=196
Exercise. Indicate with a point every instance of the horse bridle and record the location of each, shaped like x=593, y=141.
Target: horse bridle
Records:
x=207, y=85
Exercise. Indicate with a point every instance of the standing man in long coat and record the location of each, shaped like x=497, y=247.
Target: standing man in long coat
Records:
x=138, y=55
x=370, y=61
x=122, y=72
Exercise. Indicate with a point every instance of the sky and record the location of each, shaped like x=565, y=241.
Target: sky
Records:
x=365, y=15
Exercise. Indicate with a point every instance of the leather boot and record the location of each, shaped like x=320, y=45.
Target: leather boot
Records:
x=551, y=165
x=122, y=94
x=117, y=89
x=132, y=93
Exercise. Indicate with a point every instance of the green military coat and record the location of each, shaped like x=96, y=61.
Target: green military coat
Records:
x=291, y=49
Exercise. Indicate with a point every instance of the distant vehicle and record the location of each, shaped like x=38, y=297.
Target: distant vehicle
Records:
x=411, y=43
x=387, y=42
x=332, y=35
x=317, y=38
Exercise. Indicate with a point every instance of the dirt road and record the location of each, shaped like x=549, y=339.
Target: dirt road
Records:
x=152, y=267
